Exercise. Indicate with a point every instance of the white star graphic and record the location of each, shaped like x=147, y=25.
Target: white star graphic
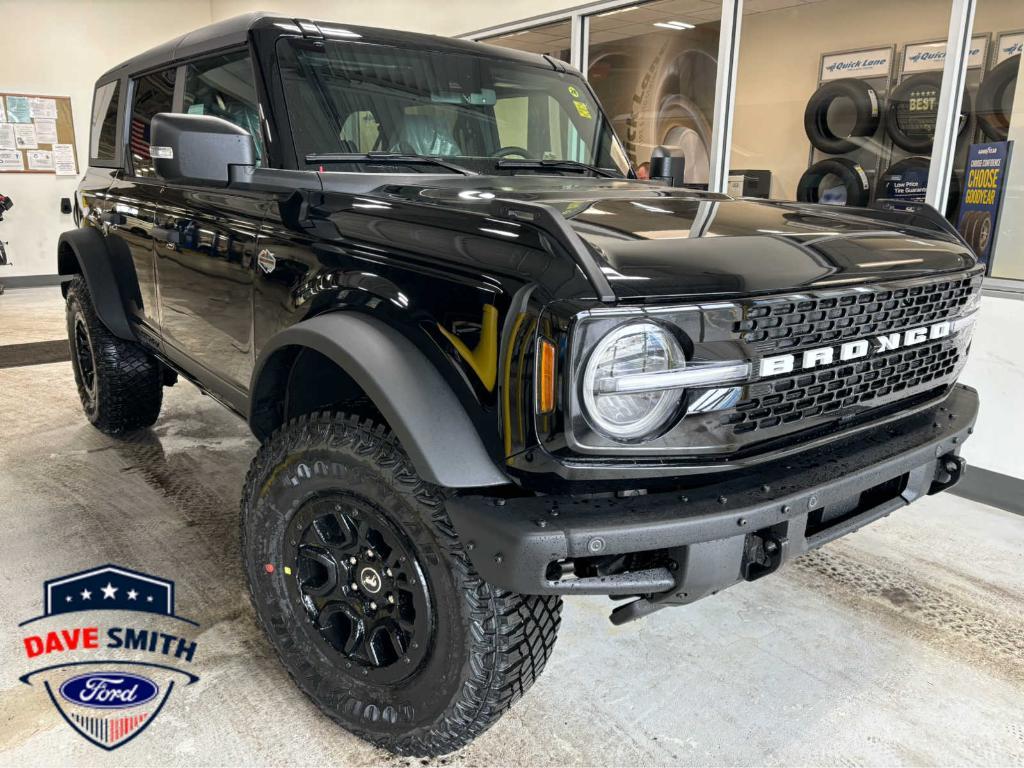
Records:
x=132, y=594
x=86, y=594
x=149, y=599
x=67, y=599
x=109, y=591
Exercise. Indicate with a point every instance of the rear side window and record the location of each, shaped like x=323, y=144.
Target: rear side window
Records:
x=154, y=93
x=103, y=137
x=223, y=86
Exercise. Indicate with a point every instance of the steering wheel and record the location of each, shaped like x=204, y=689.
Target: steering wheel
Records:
x=512, y=150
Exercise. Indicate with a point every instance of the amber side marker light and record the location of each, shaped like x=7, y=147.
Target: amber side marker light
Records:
x=545, y=376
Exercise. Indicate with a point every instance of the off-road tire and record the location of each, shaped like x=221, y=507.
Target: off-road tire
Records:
x=124, y=389
x=487, y=645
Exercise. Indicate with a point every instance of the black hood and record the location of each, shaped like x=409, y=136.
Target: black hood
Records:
x=650, y=241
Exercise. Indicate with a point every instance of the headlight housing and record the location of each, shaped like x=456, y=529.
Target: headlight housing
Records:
x=632, y=350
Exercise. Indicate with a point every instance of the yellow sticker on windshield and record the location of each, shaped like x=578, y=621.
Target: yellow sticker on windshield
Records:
x=583, y=109
x=574, y=92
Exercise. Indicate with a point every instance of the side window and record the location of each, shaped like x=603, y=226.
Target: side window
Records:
x=223, y=86
x=154, y=93
x=359, y=132
x=103, y=137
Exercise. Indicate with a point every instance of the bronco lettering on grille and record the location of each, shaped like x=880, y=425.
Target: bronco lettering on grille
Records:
x=851, y=350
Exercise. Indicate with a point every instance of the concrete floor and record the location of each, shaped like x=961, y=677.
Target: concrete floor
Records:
x=902, y=644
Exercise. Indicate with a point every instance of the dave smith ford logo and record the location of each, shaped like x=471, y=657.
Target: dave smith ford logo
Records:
x=851, y=350
x=108, y=679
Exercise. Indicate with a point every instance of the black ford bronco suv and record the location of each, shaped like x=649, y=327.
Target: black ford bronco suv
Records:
x=489, y=367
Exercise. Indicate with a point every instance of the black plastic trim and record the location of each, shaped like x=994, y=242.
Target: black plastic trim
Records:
x=101, y=267
x=403, y=384
x=511, y=542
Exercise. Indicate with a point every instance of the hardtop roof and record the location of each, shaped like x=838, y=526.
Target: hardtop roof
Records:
x=234, y=31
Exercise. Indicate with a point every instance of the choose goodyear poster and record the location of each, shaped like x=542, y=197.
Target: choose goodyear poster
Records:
x=983, y=195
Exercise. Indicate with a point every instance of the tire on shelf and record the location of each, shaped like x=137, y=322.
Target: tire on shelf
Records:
x=907, y=180
x=852, y=187
x=913, y=110
x=993, y=113
x=866, y=107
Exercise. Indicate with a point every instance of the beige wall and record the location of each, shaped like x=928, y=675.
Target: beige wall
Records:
x=779, y=66
x=59, y=48
x=778, y=71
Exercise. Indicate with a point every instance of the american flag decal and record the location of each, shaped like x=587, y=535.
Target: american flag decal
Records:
x=138, y=140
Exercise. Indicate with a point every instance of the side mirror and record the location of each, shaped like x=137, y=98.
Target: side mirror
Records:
x=198, y=149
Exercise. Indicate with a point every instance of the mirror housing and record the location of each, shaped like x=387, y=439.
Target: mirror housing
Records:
x=198, y=149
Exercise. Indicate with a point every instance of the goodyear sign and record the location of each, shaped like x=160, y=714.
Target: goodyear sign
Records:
x=987, y=165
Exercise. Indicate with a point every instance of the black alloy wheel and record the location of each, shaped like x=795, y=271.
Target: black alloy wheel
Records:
x=85, y=362
x=361, y=585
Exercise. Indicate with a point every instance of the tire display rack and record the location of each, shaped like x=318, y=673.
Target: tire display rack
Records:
x=887, y=155
x=853, y=161
x=907, y=153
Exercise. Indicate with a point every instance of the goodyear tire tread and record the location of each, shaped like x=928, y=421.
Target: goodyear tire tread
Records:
x=129, y=380
x=509, y=636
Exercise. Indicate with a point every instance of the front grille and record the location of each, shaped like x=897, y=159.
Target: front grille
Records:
x=791, y=322
x=840, y=389
x=787, y=324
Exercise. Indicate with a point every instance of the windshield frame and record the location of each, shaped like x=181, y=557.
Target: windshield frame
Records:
x=293, y=157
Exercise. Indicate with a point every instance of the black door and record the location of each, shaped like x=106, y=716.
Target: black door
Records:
x=129, y=210
x=205, y=249
x=204, y=242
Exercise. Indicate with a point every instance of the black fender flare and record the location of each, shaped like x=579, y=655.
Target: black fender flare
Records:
x=109, y=274
x=408, y=390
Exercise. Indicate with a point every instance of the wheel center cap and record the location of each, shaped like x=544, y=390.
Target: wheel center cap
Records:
x=369, y=578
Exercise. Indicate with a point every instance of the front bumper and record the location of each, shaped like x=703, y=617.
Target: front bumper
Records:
x=734, y=528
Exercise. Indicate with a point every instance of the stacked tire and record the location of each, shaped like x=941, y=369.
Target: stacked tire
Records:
x=839, y=180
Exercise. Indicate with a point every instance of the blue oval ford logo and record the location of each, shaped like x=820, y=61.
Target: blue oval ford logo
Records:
x=109, y=690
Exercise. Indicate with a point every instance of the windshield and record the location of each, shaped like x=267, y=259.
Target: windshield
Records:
x=352, y=98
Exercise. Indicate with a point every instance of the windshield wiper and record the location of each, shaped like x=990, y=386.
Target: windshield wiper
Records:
x=557, y=165
x=386, y=157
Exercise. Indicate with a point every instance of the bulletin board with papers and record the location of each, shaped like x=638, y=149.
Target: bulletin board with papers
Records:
x=37, y=135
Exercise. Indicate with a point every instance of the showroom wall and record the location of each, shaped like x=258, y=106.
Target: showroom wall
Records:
x=59, y=49
x=779, y=67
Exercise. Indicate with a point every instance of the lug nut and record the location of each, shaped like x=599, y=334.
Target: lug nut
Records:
x=391, y=599
x=369, y=553
x=355, y=586
x=373, y=606
x=352, y=560
x=388, y=572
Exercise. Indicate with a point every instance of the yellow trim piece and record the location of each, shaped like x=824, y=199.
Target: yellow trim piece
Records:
x=506, y=402
x=483, y=359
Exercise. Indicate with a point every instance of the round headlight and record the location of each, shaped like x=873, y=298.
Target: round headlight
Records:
x=635, y=348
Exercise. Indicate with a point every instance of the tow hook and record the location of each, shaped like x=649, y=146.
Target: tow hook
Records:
x=948, y=471
x=763, y=554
